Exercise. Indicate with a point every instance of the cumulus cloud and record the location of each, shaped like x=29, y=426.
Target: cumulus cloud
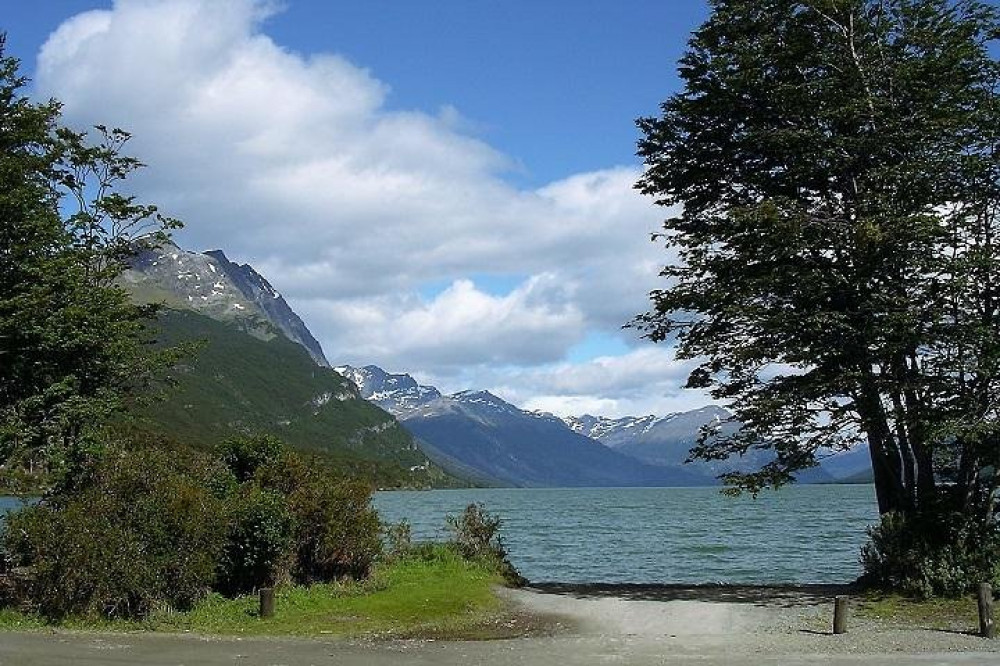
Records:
x=461, y=327
x=299, y=164
x=646, y=380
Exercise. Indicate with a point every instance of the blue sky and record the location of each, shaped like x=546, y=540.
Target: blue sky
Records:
x=553, y=84
x=438, y=187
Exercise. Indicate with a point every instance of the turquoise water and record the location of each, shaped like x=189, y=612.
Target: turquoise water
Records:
x=8, y=503
x=800, y=534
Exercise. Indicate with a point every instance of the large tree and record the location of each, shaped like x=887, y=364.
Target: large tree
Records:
x=835, y=171
x=71, y=342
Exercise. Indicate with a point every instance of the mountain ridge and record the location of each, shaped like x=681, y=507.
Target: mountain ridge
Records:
x=211, y=284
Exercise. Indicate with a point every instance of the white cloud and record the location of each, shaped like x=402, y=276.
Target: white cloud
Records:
x=462, y=326
x=645, y=380
x=297, y=164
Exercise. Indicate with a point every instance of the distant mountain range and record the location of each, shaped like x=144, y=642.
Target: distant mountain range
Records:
x=264, y=370
x=667, y=440
x=476, y=430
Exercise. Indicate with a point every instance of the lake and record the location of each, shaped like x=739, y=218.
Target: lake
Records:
x=800, y=534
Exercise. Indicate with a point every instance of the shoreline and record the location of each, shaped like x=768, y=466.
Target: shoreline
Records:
x=553, y=624
x=708, y=592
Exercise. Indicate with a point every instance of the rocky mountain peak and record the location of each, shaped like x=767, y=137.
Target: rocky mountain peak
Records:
x=398, y=394
x=211, y=284
x=484, y=400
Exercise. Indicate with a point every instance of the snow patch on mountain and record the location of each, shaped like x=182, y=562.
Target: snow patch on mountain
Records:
x=210, y=284
x=398, y=394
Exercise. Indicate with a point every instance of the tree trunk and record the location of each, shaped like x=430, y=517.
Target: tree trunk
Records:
x=892, y=495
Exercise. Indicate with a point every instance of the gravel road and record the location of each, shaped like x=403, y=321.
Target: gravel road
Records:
x=590, y=627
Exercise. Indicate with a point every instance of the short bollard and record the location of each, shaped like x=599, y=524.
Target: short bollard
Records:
x=840, y=615
x=267, y=602
x=986, y=627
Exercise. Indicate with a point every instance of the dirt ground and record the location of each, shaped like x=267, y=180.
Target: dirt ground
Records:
x=564, y=626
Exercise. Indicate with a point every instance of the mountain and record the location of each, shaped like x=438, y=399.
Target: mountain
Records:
x=668, y=440
x=854, y=466
x=396, y=394
x=665, y=440
x=259, y=369
x=212, y=285
x=238, y=383
x=476, y=433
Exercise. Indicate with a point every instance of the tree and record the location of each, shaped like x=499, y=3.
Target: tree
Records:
x=71, y=342
x=835, y=171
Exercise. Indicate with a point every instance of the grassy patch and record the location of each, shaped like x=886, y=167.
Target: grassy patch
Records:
x=941, y=614
x=441, y=596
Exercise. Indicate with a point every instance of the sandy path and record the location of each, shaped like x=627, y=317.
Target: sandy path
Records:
x=597, y=627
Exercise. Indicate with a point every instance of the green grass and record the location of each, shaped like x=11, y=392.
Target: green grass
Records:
x=442, y=596
x=941, y=614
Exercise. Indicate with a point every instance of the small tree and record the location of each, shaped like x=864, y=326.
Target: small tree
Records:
x=71, y=342
x=835, y=168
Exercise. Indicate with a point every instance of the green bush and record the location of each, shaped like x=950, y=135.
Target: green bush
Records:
x=398, y=540
x=930, y=555
x=338, y=533
x=144, y=528
x=244, y=455
x=258, y=540
x=143, y=533
x=476, y=537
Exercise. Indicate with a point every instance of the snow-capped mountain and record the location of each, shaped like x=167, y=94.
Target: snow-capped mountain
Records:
x=212, y=285
x=522, y=448
x=642, y=435
x=667, y=440
x=396, y=394
x=479, y=435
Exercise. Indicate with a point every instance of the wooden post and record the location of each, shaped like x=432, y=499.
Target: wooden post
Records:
x=986, y=627
x=267, y=602
x=840, y=614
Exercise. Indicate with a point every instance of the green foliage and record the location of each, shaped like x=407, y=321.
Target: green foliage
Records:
x=238, y=382
x=142, y=532
x=144, y=528
x=476, y=533
x=258, y=540
x=931, y=555
x=833, y=173
x=398, y=540
x=244, y=455
x=439, y=595
x=337, y=530
x=476, y=537
x=72, y=345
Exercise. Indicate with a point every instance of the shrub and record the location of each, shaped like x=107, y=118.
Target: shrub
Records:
x=145, y=529
x=143, y=533
x=398, y=540
x=930, y=555
x=476, y=533
x=337, y=530
x=258, y=541
x=476, y=536
x=244, y=455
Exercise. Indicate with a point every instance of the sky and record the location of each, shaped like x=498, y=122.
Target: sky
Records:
x=443, y=188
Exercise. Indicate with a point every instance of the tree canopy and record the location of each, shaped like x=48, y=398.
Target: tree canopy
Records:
x=833, y=168
x=71, y=342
